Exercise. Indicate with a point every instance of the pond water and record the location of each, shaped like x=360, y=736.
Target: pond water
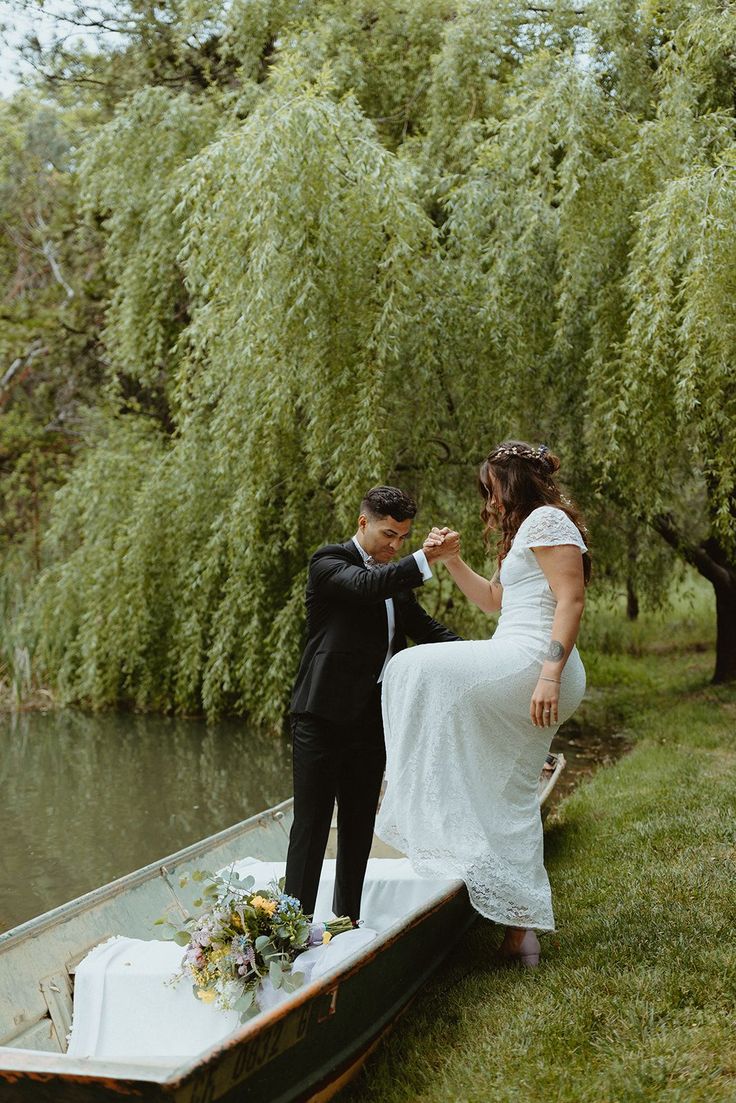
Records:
x=87, y=798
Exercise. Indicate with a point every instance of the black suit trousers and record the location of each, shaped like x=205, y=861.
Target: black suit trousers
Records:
x=343, y=762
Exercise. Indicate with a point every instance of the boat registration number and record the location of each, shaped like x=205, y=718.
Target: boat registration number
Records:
x=239, y=1062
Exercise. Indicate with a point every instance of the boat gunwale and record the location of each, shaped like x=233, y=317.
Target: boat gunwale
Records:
x=324, y=985
x=316, y=988
x=149, y=872
x=554, y=777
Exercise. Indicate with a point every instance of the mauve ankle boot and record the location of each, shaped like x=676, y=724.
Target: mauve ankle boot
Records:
x=526, y=953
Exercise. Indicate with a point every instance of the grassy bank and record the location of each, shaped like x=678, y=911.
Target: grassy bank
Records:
x=635, y=999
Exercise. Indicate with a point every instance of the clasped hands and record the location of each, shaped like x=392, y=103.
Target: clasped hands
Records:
x=441, y=544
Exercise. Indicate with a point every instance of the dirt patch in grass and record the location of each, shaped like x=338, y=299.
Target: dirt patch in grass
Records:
x=586, y=748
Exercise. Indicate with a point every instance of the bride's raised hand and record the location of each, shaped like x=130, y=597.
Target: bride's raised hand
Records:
x=441, y=544
x=449, y=546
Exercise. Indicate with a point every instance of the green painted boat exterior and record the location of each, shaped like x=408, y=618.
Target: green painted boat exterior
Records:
x=302, y=1050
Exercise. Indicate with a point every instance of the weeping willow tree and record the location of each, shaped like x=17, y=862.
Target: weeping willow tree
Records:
x=662, y=396
x=595, y=235
x=364, y=243
x=308, y=266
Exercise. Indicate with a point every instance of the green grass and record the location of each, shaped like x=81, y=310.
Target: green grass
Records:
x=635, y=998
x=686, y=621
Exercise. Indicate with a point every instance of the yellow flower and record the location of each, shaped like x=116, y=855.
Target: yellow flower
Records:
x=267, y=906
x=327, y=937
x=205, y=995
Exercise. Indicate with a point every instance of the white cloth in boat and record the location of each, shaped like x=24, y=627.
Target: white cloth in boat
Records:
x=126, y=1008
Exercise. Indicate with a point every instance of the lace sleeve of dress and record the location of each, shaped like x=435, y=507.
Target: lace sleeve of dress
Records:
x=547, y=526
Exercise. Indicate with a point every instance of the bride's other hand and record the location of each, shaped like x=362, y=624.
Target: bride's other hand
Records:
x=544, y=708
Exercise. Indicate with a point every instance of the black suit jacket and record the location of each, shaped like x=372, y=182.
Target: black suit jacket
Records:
x=347, y=629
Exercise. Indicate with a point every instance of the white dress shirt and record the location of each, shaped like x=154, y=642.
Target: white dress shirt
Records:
x=390, y=611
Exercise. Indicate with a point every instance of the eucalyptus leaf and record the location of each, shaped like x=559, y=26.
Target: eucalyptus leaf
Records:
x=245, y=1000
x=275, y=973
x=292, y=981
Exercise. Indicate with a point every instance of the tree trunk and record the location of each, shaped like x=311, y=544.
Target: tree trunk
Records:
x=713, y=562
x=632, y=601
x=725, y=633
x=632, y=597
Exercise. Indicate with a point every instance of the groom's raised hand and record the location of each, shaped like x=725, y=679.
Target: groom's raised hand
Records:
x=441, y=544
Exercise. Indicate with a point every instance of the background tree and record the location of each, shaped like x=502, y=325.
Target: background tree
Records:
x=343, y=244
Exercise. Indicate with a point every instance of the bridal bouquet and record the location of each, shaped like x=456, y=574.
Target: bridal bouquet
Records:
x=243, y=937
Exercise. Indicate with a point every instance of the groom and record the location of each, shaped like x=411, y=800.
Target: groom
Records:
x=360, y=610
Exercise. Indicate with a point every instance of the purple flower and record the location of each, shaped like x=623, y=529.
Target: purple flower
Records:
x=194, y=957
x=316, y=934
x=245, y=959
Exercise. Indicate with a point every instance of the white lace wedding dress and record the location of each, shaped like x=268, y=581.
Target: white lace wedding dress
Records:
x=463, y=757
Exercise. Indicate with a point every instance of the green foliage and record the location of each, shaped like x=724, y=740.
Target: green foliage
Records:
x=81, y=618
x=289, y=403
x=48, y=352
x=342, y=244
x=148, y=140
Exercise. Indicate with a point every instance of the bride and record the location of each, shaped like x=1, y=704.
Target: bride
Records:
x=468, y=725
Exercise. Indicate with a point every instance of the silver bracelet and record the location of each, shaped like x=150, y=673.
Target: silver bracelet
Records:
x=543, y=679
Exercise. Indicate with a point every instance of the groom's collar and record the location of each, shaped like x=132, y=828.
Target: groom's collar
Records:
x=360, y=549
x=350, y=547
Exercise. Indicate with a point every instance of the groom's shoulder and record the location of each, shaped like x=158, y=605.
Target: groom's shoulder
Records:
x=331, y=551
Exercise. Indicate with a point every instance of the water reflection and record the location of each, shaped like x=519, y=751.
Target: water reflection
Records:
x=85, y=799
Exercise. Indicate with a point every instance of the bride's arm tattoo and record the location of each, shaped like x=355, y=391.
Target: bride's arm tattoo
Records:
x=556, y=651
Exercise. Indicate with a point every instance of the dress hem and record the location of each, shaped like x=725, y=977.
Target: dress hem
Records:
x=431, y=870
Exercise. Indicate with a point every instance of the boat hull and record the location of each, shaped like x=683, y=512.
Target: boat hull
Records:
x=306, y=1050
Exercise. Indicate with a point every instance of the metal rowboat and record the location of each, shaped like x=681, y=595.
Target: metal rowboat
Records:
x=306, y=1049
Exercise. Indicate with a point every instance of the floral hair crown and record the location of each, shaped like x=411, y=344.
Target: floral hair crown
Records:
x=526, y=453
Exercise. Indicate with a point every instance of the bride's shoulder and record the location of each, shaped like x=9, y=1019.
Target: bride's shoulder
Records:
x=542, y=515
x=549, y=525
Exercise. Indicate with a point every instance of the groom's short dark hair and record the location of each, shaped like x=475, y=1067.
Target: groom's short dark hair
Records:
x=388, y=501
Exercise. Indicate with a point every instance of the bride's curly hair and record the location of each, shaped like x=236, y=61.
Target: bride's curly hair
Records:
x=519, y=478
